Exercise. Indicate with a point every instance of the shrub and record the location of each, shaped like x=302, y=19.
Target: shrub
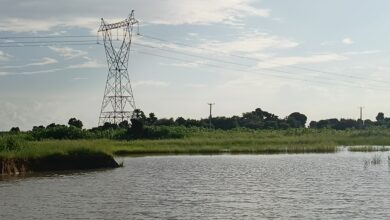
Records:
x=11, y=143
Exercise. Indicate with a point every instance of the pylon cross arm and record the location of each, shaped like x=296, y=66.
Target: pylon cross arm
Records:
x=125, y=23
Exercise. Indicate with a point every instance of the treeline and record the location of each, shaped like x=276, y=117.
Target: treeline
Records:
x=257, y=119
x=136, y=129
x=151, y=127
x=343, y=124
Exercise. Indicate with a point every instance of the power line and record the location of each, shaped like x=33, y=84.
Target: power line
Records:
x=44, y=42
x=227, y=62
x=192, y=55
x=267, y=74
x=170, y=50
x=46, y=45
x=255, y=59
x=46, y=37
x=190, y=46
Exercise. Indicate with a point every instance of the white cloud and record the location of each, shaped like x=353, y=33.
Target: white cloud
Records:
x=194, y=64
x=43, y=62
x=327, y=43
x=35, y=25
x=58, y=33
x=43, y=15
x=26, y=25
x=68, y=52
x=365, y=52
x=196, y=85
x=151, y=83
x=347, y=40
x=4, y=56
x=294, y=60
x=252, y=44
x=79, y=78
x=246, y=80
x=36, y=72
x=206, y=12
x=87, y=65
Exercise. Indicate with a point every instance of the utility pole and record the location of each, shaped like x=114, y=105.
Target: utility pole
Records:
x=211, y=109
x=361, y=113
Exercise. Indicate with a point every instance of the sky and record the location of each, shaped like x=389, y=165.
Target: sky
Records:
x=320, y=58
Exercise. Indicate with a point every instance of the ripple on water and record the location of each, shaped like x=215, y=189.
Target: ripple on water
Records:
x=218, y=187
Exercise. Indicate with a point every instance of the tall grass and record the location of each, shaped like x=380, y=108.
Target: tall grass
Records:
x=204, y=141
x=368, y=148
x=9, y=143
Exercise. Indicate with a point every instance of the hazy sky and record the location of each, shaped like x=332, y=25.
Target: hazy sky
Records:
x=321, y=58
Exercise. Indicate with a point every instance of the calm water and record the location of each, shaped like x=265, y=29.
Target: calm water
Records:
x=335, y=186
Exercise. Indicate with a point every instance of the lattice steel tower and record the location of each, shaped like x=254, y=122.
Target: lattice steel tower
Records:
x=118, y=100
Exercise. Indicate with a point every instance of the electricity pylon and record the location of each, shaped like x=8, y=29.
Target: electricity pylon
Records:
x=118, y=101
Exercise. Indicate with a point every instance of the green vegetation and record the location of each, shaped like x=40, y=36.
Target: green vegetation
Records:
x=143, y=127
x=204, y=141
x=256, y=132
x=368, y=148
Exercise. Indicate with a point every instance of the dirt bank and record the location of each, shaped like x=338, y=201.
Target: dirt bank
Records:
x=57, y=162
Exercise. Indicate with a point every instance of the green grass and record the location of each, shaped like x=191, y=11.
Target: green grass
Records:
x=368, y=148
x=216, y=142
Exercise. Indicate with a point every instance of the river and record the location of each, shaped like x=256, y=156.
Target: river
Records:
x=302, y=186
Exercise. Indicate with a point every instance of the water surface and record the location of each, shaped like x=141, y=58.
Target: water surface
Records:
x=303, y=186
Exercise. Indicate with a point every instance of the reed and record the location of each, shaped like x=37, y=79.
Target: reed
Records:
x=202, y=141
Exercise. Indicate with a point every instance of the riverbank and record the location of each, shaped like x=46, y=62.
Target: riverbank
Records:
x=249, y=141
x=77, y=159
x=55, y=155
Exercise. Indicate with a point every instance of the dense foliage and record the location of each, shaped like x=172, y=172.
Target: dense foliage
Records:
x=151, y=127
x=344, y=124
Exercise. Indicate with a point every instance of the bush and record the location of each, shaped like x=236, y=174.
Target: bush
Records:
x=58, y=132
x=163, y=132
x=11, y=143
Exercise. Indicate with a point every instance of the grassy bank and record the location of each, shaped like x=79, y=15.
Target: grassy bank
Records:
x=215, y=142
x=20, y=156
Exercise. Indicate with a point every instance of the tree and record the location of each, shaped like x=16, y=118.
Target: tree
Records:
x=108, y=125
x=271, y=125
x=297, y=119
x=75, y=123
x=38, y=128
x=345, y=124
x=151, y=119
x=313, y=124
x=124, y=124
x=138, y=114
x=368, y=123
x=165, y=121
x=283, y=125
x=52, y=125
x=15, y=130
x=380, y=117
x=137, y=128
x=180, y=121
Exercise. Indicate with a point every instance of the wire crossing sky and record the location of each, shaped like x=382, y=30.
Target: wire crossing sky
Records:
x=323, y=59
